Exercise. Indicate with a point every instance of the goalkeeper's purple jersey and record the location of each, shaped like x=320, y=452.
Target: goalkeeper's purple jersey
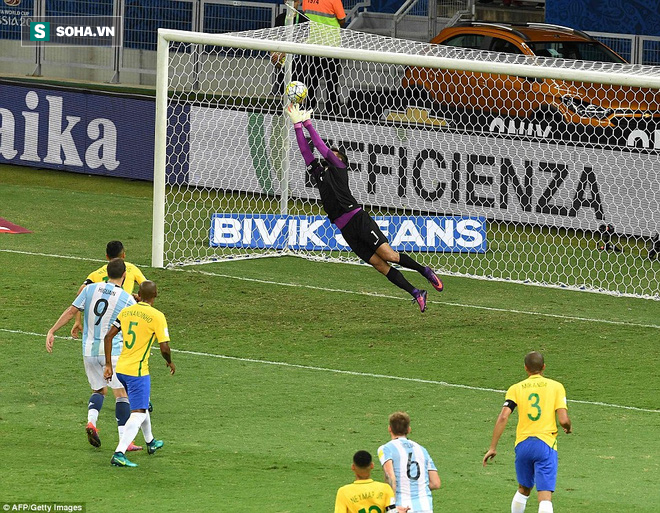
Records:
x=332, y=183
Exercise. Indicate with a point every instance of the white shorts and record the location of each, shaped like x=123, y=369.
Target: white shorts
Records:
x=94, y=369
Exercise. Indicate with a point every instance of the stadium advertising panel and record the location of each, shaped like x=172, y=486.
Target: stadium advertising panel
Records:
x=13, y=15
x=81, y=131
x=409, y=233
x=437, y=170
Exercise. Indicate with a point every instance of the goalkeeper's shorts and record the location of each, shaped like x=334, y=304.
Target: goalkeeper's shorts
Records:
x=363, y=235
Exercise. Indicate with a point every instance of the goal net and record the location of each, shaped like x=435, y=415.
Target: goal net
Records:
x=493, y=165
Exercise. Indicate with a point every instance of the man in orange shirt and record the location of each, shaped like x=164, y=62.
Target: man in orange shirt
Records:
x=326, y=17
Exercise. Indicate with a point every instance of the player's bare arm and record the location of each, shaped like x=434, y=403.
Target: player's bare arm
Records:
x=167, y=355
x=564, y=420
x=434, y=480
x=107, y=346
x=66, y=316
x=500, y=425
x=390, y=478
x=77, y=327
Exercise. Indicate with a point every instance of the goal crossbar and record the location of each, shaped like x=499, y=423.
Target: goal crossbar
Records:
x=534, y=67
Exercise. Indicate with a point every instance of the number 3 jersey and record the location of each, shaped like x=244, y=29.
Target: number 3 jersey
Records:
x=537, y=398
x=411, y=463
x=141, y=325
x=101, y=304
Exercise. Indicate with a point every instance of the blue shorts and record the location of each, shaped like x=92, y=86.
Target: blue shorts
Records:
x=138, y=389
x=536, y=462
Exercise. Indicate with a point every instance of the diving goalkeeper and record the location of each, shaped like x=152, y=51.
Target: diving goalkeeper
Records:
x=360, y=231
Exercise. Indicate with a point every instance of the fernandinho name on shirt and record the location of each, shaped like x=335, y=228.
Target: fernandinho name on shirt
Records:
x=136, y=313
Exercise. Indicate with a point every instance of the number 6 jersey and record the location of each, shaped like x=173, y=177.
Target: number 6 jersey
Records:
x=411, y=463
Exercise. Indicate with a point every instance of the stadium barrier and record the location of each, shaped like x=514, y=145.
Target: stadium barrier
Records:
x=134, y=60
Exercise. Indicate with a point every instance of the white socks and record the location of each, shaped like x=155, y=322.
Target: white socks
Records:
x=545, y=507
x=136, y=421
x=92, y=416
x=146, y=428
x=130, y=430
x=518, y=503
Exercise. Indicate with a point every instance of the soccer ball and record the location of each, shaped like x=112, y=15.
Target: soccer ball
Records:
x=296, y=92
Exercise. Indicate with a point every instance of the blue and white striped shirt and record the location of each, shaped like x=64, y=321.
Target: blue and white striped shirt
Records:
x=101, y=304
x=411, y=463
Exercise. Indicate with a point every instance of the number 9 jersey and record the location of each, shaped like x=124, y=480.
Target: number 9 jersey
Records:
x=101, y=304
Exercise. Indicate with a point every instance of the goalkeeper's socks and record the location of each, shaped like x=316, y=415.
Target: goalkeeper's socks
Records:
x=93, y=408
x=409, y=263
x=130, y=431
x=518, y=503
x=395, y=276
x=122, y=413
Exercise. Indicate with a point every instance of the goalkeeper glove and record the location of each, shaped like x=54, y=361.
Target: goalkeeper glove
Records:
x=296, y=115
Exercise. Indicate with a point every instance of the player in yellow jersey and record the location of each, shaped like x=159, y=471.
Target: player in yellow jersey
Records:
x=141, y=325
x=364, y=495
x=539, y=400
x=114, y=249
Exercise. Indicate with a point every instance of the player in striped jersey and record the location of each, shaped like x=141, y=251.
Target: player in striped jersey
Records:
x=114, y=249
x=100, y=304
x=364, y=494
x=408, y=468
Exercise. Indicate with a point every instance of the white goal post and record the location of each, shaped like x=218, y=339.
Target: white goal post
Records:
x=489, y=165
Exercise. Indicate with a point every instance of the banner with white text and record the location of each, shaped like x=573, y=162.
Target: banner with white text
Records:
x=316, y=233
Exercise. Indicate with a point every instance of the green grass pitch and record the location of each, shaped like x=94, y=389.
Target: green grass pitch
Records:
x=286, y=367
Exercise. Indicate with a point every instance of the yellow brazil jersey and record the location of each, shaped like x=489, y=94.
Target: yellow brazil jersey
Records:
x=365, y=495
x=141, y=326
x=133, y=276
x=538, y=398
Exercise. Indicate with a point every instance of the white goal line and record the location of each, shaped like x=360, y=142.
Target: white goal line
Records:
x=362, y=293
x=352, y=373
x=430, y=301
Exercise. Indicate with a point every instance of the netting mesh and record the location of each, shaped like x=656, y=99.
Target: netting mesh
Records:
x=566, y=173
